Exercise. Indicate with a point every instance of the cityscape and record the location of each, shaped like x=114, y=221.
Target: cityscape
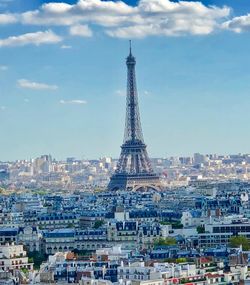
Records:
x=137, y=218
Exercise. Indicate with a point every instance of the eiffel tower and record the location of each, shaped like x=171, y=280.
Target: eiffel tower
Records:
x=134, y=169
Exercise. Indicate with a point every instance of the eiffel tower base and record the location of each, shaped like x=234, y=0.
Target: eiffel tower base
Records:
x=134, y=182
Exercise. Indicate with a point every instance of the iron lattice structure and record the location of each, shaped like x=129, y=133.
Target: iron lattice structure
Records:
x=134, y=169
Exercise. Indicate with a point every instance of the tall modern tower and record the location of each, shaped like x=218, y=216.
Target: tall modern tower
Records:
x=134, y=169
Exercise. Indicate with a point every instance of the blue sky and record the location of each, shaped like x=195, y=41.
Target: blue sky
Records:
x=63, y=76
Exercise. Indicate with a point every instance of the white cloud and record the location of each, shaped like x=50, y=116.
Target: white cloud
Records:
x=3, y=67
x=120, y=92
x=24, y=83
x=101, y=12
x=154, y=17
x=80, y=30
x=118, y=19
x=8, y=19
x=146, y=92
x=238, y=24
x=37, y=38
x=66, y=47
x=73, y=102
x=166, y=18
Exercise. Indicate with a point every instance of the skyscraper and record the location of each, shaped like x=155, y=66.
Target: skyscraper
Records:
x=134, y=169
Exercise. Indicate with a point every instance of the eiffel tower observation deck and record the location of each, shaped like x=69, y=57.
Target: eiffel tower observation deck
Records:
x=134, y=169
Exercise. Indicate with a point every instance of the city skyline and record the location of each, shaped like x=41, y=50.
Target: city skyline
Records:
x=63, y=91
x=115, y=159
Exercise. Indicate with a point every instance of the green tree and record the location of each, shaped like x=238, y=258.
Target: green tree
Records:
x=170, y=260
x=165, y=223
x=25, y=270
x=98, y=224
x=37, y=258
x=200, y=229
x=237, y=241
x=181, y=260
x=165, y=241
x=174, y=224
x=177, y=225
